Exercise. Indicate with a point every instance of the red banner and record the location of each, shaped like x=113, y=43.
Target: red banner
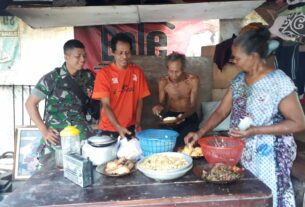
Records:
x=158, y=39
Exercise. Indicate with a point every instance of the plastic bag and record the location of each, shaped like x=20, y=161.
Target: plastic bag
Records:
x=130, y=149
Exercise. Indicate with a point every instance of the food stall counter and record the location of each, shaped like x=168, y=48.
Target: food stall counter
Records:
x=48, y=187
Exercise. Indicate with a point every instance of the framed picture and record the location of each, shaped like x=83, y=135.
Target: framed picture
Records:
x=27, y=142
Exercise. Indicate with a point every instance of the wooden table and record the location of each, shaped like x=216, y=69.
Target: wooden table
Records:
x=48, y=187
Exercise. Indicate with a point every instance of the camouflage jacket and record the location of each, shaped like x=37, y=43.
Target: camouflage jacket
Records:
x=62, y=106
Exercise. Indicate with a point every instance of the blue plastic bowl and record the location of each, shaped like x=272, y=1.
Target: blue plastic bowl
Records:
x=157, y=140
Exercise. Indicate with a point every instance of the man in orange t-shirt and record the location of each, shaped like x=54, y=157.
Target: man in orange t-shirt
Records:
x=121, y=87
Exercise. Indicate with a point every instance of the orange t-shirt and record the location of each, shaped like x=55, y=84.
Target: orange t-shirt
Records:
x=124, y=87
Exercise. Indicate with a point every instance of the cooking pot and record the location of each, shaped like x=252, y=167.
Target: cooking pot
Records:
x=100, y=149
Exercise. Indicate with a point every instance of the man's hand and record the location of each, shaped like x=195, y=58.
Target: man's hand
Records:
x=191, y=138
x=138, y=128
x=123, y=131
x=157, y=109
x=180, y=118
x=50, y=136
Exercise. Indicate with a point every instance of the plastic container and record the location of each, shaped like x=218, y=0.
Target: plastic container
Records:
x=58, y=157
x=157, y=140
x=219, y=149
x=70, y=141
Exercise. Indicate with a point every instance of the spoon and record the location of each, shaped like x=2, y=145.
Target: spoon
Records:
x=160, y=116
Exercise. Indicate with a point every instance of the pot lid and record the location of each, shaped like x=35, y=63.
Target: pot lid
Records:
x=101, y=140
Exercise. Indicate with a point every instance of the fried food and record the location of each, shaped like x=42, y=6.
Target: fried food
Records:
x=111, y=165
x=192, y=151
x=197, y=152
x=122, y=170
x=130, y=165
x=119, y=166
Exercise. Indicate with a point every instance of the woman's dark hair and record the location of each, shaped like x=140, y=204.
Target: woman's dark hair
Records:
x=71, y=44
x=175, y=56
x=255, y=40
x=122, y=37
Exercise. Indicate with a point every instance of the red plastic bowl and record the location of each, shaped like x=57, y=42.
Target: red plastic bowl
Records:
x=219, y=149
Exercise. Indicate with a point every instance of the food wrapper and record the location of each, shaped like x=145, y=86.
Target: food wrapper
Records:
x=130, y=149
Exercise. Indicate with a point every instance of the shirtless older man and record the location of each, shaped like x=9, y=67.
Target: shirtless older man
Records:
x=178, y=94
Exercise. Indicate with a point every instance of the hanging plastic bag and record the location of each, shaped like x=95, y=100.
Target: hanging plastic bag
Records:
x=130, y=149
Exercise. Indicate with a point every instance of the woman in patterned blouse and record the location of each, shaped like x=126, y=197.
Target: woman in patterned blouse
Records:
x=268, y=96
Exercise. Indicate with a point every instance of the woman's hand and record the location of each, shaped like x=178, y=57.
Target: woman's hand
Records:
x=50, y=136
x=191, y=138
x=235, y=132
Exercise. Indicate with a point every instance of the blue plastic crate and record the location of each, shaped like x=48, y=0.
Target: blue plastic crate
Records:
x=157, y=140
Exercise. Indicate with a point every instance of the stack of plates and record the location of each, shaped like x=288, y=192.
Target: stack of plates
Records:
x=167, y=174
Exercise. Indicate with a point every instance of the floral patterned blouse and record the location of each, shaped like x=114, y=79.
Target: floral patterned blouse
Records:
x=267, y=156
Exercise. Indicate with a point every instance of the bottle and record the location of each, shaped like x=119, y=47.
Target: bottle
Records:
x=70, y=140
x=58, y=156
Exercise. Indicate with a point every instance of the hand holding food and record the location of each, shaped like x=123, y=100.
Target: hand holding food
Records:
x=191, y=138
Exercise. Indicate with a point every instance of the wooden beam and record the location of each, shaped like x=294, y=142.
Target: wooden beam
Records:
x=270, y=10
x=43, y=17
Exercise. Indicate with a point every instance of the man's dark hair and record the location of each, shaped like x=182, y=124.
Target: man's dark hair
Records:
x=71, y=44
x=175, y=56
x=122, y=37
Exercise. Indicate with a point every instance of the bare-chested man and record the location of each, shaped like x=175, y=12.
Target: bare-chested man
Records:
x=178, y=96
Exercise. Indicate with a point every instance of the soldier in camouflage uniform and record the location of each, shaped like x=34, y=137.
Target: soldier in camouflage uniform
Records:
x=62, y=106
